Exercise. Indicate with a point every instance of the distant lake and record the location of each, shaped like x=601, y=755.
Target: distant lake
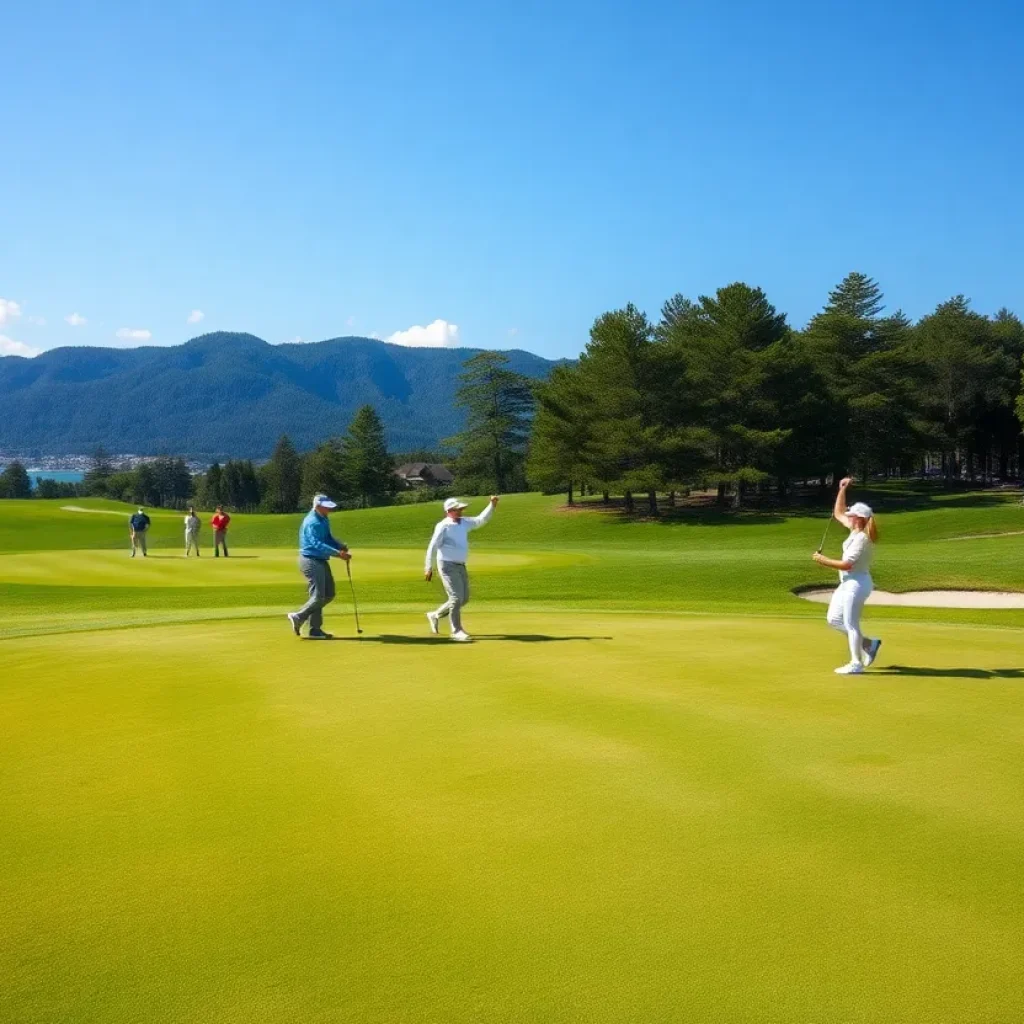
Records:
x=61, y=476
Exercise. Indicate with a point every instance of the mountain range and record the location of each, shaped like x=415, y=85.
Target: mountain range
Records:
x=230, y=395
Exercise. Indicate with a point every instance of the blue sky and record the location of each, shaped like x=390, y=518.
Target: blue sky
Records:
x=318, y=169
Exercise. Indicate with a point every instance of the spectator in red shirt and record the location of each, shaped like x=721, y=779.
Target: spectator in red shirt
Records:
x=219, y=522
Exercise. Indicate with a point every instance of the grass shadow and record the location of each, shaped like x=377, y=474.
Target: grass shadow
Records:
x=429, y=641
x=812, y=503
x=192, y=558
x=950, y=673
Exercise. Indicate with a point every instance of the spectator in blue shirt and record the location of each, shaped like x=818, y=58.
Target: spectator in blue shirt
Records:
x=316, y=547
x=138, y=525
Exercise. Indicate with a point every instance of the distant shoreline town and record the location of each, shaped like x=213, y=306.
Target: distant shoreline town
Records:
x=35, y=463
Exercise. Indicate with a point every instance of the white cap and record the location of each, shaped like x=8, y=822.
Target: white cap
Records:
x=322, y=501
x=860, y=510
x=453, y=503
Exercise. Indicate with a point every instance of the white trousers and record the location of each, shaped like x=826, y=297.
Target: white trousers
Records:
x=845, y=608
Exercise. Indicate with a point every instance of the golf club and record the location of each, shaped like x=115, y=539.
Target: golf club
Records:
x=825, y=534
x=355, y=605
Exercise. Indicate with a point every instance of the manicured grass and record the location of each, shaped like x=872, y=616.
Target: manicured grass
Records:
x=642, y=795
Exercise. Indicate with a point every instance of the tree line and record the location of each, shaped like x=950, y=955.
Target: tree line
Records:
x=356, y=470
x=719, y=392
x=722, y=392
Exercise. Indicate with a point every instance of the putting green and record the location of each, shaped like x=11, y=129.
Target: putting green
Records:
x=249, y=567
x=641, y=795
x=580, y=817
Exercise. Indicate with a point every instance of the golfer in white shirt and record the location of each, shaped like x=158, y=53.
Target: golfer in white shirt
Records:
x=855, y=583
x=191, y=532
x=450, y=546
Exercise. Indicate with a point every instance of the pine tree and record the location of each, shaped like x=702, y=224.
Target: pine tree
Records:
x=499, y=407
x=857, y=296
x=365, y=463
x=99, y=472
x=15, y=482
x=865, y=362
x=210, y=488
x=562, y=446
x=619, y=372
x=323, y=472
x=965, y=370
x=726, y=346
x=145, y=486
x=282, y=478
x=232, y=484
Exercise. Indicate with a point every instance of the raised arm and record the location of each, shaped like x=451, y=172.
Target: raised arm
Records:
x=839, y=511
x=475, y=522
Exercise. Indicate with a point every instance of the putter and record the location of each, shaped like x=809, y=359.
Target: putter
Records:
x=355, y=605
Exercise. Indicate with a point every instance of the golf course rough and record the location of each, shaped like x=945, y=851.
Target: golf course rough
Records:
x=642, y=795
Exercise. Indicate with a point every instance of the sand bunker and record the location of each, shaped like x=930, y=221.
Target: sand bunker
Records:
x=930, y=598
x=92, y=511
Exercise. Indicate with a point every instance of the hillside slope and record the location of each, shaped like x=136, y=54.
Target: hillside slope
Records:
x=230, y=395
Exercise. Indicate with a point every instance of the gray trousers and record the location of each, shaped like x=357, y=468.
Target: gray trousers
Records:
x=455, y=581
x=191, y=541
x=139, y=542
x=320, y=581
x=220, y=539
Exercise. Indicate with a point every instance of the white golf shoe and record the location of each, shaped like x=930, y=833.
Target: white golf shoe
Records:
x=462, y=637
x=871, y=652
x=854, y=668
x=432, y=619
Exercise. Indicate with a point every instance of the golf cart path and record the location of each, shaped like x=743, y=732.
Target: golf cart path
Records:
x=929, y=598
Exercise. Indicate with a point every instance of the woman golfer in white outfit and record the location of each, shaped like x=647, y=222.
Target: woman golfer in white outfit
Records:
x=855, y=582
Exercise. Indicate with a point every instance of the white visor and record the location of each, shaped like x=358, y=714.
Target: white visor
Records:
x=453, y=503
x=860, y=510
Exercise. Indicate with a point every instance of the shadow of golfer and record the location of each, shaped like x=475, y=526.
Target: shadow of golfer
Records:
x=950, y=673
x=535, y=638
x=428, y=641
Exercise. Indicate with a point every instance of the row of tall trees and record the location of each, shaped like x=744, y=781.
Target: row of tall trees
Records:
x=163, y=482
x=355, y=470
x=722, y=391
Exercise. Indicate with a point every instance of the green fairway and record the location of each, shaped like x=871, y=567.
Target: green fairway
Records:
x=642, y=795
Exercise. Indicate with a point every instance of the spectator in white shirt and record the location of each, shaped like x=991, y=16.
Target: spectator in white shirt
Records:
x=191, y=532
x=450, y=546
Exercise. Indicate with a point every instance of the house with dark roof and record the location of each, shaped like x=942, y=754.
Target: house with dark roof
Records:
x=425, y=474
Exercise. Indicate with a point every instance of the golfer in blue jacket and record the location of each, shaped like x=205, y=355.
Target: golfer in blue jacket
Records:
x=316, y=548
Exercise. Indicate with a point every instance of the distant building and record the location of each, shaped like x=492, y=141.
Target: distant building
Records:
x=425, y=474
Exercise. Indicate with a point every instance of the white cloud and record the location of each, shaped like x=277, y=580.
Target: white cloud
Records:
x=297, y=340
x=76, y=319
x=10, y=347
x=36, y=321
x=195, y=316
x=513, y=331
x=9, y=310
x=350, y=322
x=134, y=334
x=439, y=334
